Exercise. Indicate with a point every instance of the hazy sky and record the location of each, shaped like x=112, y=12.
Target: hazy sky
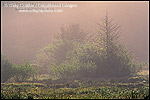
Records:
x=24, y=33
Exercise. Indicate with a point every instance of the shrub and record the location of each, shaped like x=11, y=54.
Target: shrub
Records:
x=23, y=71
x=6, y=69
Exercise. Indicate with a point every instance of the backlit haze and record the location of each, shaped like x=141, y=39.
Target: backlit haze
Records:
x=23, y=34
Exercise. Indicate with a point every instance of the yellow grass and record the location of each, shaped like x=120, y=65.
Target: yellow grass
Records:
x=144, y=72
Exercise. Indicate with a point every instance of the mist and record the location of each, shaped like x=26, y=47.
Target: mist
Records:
x=23, y=34
x=75, y=50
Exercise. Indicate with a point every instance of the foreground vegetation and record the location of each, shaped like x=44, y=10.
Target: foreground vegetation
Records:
x=125, y=88
x=41, y=91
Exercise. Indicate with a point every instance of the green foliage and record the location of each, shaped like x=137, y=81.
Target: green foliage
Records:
x=115, y=60
x=23, y=71
x=53, y=53
x=74, y=54
x=73, y=69
x=119, y=63
x=104, y=92
x=89, y=57
x=18, y=71
x=116, y=64
x=6, y=69
x=56, y=51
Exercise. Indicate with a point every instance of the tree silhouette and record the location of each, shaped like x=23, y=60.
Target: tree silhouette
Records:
x=115, y=59
x=109, y=33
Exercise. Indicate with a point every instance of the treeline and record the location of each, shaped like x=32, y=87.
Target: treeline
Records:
x=76, y=54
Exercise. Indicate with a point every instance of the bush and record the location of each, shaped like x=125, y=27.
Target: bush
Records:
x=23, y=71
x=6, y=69
x=73, y=69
